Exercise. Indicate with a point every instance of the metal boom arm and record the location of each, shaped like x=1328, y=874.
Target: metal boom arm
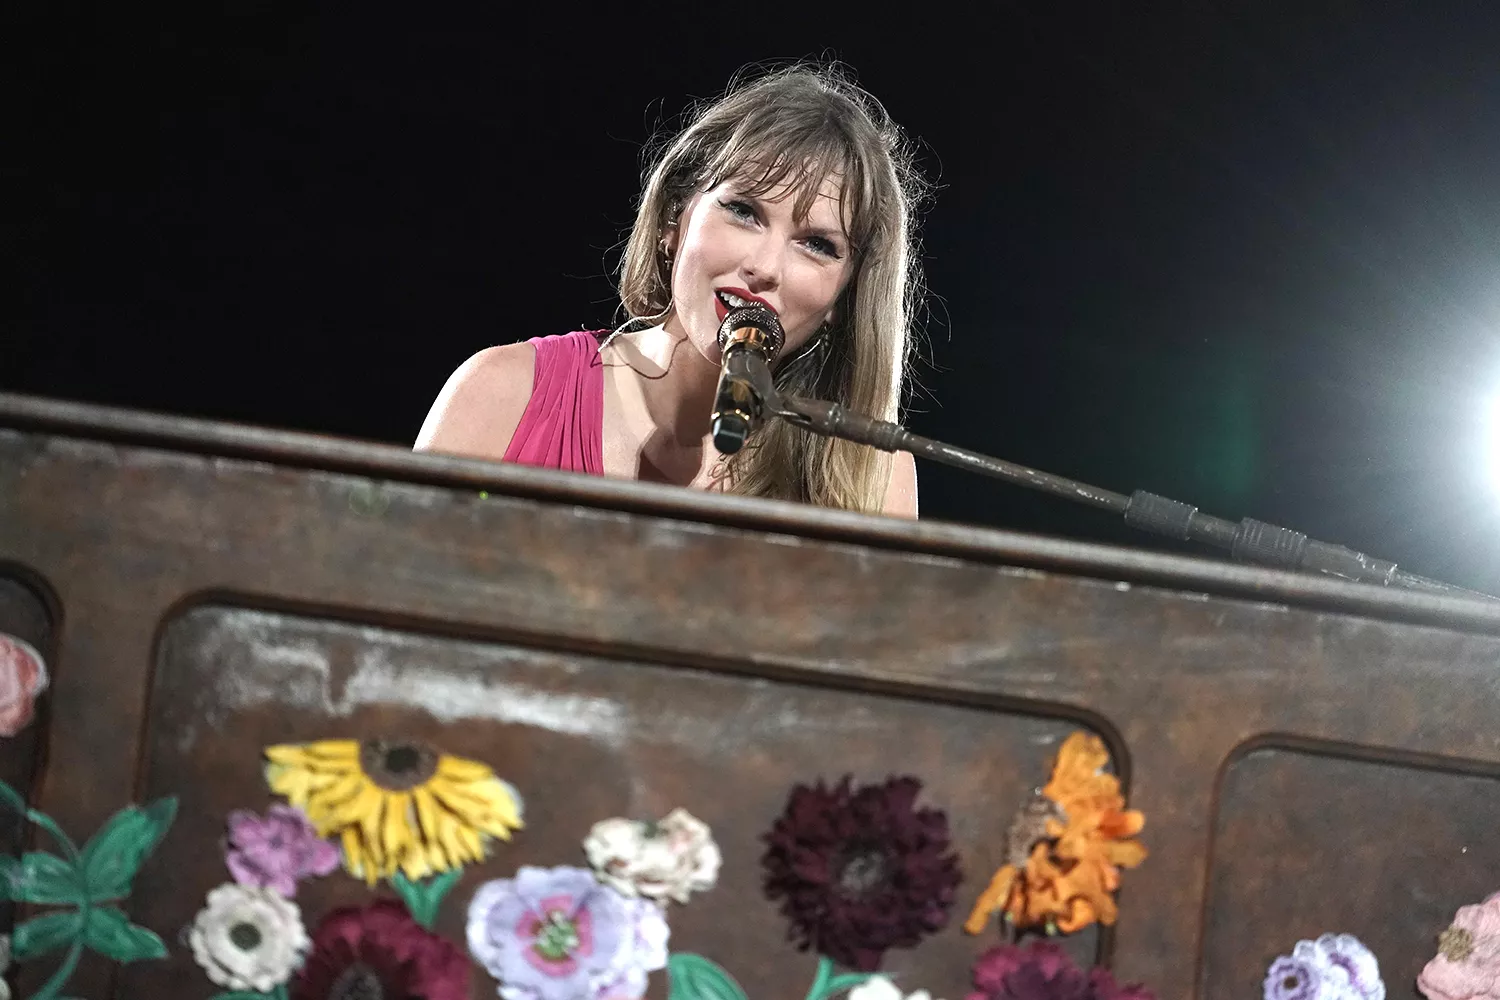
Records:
x=1249, y=540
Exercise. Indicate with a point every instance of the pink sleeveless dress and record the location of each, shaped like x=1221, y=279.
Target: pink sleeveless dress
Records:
x=563, y=426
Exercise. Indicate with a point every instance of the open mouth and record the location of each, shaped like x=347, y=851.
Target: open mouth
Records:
x=733, y=301
x=725, y=301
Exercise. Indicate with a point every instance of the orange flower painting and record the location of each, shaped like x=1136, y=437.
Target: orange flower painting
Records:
x=1066, y=848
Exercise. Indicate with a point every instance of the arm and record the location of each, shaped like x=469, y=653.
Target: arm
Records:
x=901, y=494
x=481, y=405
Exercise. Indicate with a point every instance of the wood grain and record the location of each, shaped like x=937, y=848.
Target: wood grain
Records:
x=715, y=650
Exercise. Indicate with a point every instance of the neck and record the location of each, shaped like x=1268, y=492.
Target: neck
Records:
x=674, y=385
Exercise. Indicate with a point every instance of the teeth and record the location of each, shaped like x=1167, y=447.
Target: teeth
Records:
x=733, y=301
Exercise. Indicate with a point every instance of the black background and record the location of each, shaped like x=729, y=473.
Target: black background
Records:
x=1243, y=255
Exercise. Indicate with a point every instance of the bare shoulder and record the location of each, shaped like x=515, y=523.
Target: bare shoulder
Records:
x=480, y=406
x=901, y=493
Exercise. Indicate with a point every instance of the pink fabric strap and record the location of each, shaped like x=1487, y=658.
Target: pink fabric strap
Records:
x=563, y=426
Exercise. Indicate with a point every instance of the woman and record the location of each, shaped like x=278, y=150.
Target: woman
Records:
x=794, y=191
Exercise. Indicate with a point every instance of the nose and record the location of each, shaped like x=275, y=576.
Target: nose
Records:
x=761, y=265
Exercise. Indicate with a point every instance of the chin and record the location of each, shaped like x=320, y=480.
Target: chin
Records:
x=703, y=333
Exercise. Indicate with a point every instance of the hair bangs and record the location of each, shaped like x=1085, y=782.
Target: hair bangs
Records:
x=775, y=156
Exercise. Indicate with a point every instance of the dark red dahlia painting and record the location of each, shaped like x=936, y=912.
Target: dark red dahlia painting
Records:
x=378, y=952
x=858, y=871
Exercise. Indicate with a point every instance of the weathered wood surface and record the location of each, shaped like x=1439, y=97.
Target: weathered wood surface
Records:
x=24, y=614
x=1310, y=755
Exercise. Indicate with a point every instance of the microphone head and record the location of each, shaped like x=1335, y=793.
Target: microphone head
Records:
x=755, y=317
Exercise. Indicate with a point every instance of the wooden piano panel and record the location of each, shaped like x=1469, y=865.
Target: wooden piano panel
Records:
x=584, y=738
x=1317, y=840
x=965, y=650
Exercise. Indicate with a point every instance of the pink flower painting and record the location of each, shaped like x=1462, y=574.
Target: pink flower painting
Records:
x=23, y=676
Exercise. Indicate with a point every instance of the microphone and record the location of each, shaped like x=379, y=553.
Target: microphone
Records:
x=749, y=339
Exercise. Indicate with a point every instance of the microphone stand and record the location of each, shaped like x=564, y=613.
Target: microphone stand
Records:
x=1248, y=541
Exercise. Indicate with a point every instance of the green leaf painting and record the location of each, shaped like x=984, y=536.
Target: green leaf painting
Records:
x=40, y=877
x=114, y=855
x=45, y=933
x=423, y=898
x=111, y=934
x=86, y=882
x=693, y=977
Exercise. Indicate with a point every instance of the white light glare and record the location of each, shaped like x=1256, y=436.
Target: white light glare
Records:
x=1490, y=439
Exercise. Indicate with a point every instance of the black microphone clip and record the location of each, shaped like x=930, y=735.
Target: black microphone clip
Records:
x=749, y=339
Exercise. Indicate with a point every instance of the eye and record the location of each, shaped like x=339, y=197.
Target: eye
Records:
x=823, y=246
x=739, y=209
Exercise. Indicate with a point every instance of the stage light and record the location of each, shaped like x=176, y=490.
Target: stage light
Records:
x=1490, y=438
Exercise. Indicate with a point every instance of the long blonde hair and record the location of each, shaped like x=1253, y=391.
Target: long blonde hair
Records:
x=795, y=127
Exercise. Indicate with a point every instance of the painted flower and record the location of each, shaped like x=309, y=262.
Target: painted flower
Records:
x=993, y=968
x=671, y=859
x=1347, y=952
x=1334, y=967
x=1305, y=977
x=881, y=988
x=396, y=805
x=379, y=951
x=23, y=676
x=278, y=850
x=860, y=870
x=248, y=938
x=1043, y=971
x=559, y=934
x=1467, y=965
x=1066, y=848
x=1102, y=981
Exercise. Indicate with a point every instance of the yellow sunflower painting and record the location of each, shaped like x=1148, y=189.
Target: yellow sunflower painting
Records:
x=396, y=805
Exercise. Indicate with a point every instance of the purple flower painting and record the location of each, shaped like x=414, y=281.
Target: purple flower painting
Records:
x=1334, y=967
x=276, y=851
x=559, y=934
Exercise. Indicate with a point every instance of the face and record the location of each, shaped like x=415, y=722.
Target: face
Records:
x=731, y=247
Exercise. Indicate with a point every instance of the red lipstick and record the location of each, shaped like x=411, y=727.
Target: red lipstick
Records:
x=721, y=308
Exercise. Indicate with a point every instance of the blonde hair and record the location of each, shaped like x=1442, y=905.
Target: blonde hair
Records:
x=794, y=127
